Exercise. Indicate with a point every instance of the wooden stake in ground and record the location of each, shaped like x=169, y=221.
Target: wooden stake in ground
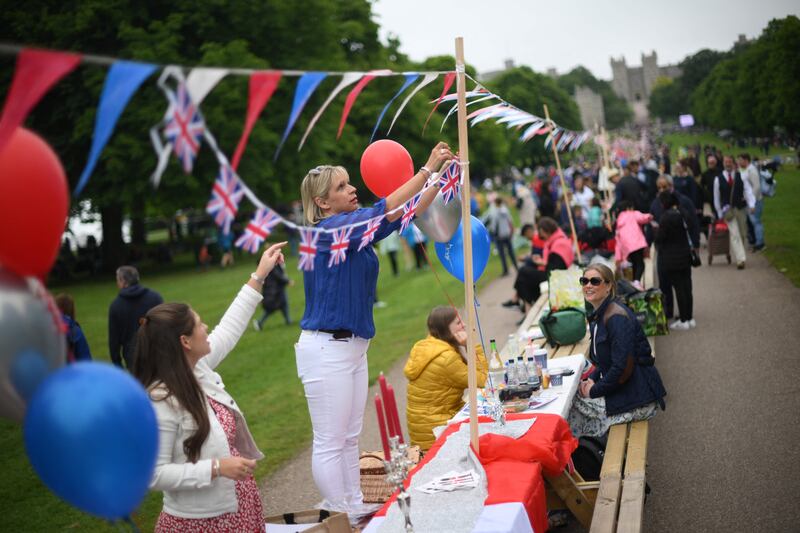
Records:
x=564, y=189
x=466, y=231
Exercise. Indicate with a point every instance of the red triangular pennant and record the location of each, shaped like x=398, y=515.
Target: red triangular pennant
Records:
x=36, y=72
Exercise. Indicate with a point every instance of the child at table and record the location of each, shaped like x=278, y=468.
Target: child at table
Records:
x=437, y=375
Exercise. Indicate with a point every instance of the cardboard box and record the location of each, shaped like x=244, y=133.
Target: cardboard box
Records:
x=325, y=521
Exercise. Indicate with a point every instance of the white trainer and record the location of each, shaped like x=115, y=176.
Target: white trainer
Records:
x=680, y=326
x=692, y=324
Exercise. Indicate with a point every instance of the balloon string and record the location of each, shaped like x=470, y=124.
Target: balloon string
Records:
x=439, y=281
x=478, y=320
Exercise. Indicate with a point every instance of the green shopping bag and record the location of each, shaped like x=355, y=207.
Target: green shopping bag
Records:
x=564, y=326
x=648, y=306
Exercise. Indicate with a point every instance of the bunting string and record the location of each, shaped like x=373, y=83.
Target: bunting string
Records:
x=183, y=131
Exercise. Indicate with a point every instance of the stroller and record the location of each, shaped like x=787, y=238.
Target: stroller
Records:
x=718, y=241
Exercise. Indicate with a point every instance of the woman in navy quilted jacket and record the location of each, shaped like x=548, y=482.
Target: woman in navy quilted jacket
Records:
x=625, y=385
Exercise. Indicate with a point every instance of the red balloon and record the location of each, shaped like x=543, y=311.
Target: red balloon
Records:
x=33, y=204
x=385, y=166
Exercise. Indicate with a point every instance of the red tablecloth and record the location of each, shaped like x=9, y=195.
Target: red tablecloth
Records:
x=514, y=466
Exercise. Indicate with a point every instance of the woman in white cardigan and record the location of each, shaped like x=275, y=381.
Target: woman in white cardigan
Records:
x=206, y=454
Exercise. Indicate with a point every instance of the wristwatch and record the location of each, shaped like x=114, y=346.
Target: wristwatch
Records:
x=254, y=276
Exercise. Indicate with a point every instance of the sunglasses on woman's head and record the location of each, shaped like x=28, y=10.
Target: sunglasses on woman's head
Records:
x=593, y=281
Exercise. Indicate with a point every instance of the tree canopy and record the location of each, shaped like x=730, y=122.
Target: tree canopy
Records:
x=340, y=36
x=671, y=98
x=758, y=87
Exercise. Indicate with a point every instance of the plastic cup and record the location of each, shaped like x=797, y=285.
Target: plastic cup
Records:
x=545, y=379
x=540, y=356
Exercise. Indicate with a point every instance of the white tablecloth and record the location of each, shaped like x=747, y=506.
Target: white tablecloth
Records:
x=564, y=393
x=498, y=518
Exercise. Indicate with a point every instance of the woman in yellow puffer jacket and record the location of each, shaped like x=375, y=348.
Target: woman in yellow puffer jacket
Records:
x=437, y=375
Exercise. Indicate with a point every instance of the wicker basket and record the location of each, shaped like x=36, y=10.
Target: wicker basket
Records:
x=373, y=475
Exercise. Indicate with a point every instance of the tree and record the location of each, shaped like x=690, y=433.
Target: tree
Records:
x=671, y=98
x=529, y=91
x=616, y=109
x=665, y=100
x=340, y=36
x=757, y=88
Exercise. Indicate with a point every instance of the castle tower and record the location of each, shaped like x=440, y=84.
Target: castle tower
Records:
x=649, y=72
x=619, y=82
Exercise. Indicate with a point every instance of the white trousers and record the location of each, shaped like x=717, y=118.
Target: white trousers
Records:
x=335, y=379
x=737, y=232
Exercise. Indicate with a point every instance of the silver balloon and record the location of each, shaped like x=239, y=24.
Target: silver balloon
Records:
x=32, y=344
x=440, y=222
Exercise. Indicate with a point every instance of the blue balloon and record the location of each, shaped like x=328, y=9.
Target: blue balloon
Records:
x=91, y=435
x=27, y=371
x=451, y=253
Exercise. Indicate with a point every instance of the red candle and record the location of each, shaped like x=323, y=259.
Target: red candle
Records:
x=391, y=408
x=382, y=427
x=383, y=385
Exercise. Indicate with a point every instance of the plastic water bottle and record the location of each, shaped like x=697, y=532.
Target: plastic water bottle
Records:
x=533, y=377
x=512, y=348
x=522, y=371
x=512, y=378
x=497, y=372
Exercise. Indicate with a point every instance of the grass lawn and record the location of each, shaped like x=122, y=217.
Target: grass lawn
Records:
x=781, y=217
x=260, y=373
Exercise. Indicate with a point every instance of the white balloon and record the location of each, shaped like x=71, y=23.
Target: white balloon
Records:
x=27, y=326
x=440, y=222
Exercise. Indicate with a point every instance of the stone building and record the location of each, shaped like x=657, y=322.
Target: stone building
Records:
x=635, y=84
x=591, y=107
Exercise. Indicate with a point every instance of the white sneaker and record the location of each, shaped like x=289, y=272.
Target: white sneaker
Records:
x=692, y=324
x=680, y=326
x=256, y=325
x=672, y=324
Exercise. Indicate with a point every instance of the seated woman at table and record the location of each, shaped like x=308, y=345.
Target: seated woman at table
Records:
x=557, y=254
x=437, y=375
x=625, y=385
x=206, y=454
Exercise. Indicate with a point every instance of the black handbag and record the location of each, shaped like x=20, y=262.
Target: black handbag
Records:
x=696, y=262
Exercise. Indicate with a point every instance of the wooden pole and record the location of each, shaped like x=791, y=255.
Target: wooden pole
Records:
x=466, y=230
x=606, y=193
x=564, y=189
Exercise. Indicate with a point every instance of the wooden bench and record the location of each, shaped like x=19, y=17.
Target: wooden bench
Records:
x=616, y=501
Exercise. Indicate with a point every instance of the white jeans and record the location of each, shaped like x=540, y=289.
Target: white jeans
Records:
x=737, y=232
x=335, y=379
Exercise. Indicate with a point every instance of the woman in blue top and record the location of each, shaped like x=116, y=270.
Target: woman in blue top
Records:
x=337, y=324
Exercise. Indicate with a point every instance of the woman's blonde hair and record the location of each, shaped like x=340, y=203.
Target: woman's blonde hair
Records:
x=317, y=184
x=605, y=273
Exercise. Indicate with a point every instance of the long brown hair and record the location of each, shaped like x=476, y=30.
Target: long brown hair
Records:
x=159, y=358
x=439, y=324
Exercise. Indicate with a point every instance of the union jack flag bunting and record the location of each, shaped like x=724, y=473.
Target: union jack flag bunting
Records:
x=184, y=129
x=341, y=240
x=409, y=210
x=225, y=197
x=308, y=249
x=450, y=182
x=369, y=232
x=258, y=230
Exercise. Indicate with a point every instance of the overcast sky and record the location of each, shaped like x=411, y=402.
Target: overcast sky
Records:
x=564, y=34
